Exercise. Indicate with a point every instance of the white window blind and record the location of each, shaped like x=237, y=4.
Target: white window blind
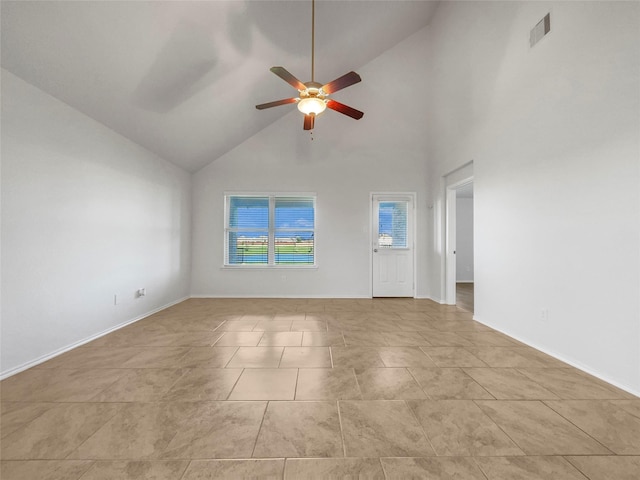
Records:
x=294, y=231
x=269, y=230
x=392, y=224
x=248, y=231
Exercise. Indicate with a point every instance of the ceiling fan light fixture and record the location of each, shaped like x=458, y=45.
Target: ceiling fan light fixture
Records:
x=311, y=105
x=312, y=100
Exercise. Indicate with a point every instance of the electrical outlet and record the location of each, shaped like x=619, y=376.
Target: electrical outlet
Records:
x=544, y=314
x=141, y=292
x=115, y=299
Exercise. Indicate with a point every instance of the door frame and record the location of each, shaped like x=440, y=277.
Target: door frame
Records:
x=450, y=183
x=373, y=241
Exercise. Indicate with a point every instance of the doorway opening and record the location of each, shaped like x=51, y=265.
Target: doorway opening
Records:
x=464, y=247
x=459, y=250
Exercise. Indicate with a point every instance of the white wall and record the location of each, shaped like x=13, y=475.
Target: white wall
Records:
x=347, y=160
x=86, y=214
x=554, y=135
x=464, y=240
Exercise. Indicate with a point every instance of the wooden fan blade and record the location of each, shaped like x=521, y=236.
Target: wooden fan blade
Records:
x=277, y=103
x=289, y=78
x=309, y=120
x=344, y=109
x=344, y=81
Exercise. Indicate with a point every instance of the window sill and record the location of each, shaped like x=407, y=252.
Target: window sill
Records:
x=269, y=267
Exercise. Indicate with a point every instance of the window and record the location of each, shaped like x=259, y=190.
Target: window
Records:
x=392, y=224
x=263, y=230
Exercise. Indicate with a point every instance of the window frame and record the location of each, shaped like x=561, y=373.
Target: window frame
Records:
x=272, y=230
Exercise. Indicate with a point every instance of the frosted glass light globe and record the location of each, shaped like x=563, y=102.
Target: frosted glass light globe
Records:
x=311, y=105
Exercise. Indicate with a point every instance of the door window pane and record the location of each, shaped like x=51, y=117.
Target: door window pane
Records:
x=392, y=225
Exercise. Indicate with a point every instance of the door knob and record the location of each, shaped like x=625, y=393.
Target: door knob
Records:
x=375, y=250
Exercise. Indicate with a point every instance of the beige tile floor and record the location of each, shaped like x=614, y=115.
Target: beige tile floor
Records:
x=393, y=388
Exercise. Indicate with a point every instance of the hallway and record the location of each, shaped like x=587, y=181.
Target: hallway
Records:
x=465, y=296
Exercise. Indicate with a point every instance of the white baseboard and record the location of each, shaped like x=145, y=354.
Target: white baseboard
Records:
x=60, y=351
x=577, y=365
x=282, y=296
x=319, y=297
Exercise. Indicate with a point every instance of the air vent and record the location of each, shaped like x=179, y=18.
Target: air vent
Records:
x=540, y=30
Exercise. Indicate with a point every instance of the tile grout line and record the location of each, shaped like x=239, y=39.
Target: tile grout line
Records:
x=344, y=445
x=484, y=364
x=485, y=475
x=384, y=472
x=281, y=356
x=475, y=402
x=295, y=388
x=255, y=444
x=576, y=467
x=184, y=472
x=419, y=423
x=544, y=402
x=116, y=412
x=186, y=371
x=234, y=384
x=353, y=371
x=84, y=472
x=344, y=342
x=231, y=357
x=418, y=383
x=26, y=424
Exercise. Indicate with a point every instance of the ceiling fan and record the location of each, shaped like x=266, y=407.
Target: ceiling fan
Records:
x=313, y=97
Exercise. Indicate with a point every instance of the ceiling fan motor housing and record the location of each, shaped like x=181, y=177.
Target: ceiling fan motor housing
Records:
x=313, y=90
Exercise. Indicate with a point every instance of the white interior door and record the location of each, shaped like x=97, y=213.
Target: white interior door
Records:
x=392, y=242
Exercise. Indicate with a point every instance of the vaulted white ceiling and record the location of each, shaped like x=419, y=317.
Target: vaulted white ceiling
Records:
x=182, y=78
